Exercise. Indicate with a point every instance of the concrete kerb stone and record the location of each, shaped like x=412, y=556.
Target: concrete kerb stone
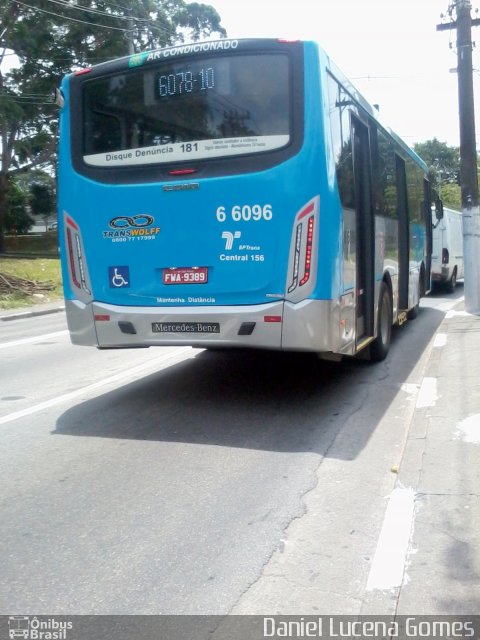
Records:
x=31, y=312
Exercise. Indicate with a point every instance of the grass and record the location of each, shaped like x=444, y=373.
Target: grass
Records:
x=39, y=270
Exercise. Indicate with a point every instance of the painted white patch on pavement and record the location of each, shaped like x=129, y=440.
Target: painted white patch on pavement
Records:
x=427, y=396
x=440, y=340
x=410, y=388
x=388, y=566
x=468, y=430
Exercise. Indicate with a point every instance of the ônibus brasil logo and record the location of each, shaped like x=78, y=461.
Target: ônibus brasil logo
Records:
x=33, y=628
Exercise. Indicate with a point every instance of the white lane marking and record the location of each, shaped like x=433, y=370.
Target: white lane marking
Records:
x=440, y=340
x=388, y=564
x=427, y=396
x=45, y=336
x=125, y=377
x=468, y=430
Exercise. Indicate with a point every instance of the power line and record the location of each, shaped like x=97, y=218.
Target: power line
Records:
x=116, y=5
x=65, y=4
x=89, y=10
x=58, y=15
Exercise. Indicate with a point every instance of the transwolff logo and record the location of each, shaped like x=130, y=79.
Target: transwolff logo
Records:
x=33, y=628
x=138, y=227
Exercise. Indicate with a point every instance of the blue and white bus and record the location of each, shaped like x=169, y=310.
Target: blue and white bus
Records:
x=237, y=193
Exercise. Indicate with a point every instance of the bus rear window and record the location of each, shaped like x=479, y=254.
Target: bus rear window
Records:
x=179, y=111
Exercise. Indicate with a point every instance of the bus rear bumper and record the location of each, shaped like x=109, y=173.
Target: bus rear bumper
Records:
x=311, y=325
x=111, y=326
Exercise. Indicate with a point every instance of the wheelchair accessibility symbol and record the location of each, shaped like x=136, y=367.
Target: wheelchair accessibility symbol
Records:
x=119, y=277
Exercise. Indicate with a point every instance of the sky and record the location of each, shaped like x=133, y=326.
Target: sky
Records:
x=389, y=49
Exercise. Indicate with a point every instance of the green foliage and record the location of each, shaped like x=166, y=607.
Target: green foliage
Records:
x=451, y=196
x=444, y=170
x=49, y=39
x=443, y=161
x=17, y=218
x=42, y=199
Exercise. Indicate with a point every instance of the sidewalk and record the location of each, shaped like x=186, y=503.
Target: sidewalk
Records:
x=441, y=463
x=433, y=516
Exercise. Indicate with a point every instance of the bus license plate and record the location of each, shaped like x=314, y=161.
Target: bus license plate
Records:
x=186, y=275
x=185, y=327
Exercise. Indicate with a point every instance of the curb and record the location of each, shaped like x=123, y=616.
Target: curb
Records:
x=31, y=313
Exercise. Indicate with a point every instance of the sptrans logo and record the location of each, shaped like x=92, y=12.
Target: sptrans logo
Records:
x=38, y=629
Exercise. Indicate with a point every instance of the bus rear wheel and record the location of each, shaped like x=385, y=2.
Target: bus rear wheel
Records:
x=380, y=346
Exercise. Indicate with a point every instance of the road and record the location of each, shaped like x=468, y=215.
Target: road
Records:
x=181, y=481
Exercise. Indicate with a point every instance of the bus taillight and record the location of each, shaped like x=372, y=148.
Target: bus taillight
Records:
x=78, y=272
x=71, y=260
x=303, y=252
x=308, y=253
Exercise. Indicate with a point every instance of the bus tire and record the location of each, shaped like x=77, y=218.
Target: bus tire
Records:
x=380, y=346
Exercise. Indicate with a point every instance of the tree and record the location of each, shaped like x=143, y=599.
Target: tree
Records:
x=444, y=169
x=451, y=196
x=42, y=200
x=17, y=218
x=48, y=38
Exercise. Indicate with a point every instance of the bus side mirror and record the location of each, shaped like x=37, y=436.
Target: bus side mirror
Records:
x=438, y=209
x=58, y=98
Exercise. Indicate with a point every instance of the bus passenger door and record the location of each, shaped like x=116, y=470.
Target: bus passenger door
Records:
x=427, y=212
x=403, y=236
x=365, y=231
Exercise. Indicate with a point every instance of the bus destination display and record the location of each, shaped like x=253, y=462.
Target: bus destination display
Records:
x=184, y=81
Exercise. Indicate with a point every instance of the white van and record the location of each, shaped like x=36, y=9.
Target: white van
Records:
x=447, y=250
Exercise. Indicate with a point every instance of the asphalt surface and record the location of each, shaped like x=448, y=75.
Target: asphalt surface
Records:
x=202, y=485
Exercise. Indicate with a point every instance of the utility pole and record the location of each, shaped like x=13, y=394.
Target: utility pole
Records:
x=468, y=151
x=129, y=34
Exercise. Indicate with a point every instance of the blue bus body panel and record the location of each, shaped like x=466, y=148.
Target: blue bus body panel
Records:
x=246, y=259
x=281, y=264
